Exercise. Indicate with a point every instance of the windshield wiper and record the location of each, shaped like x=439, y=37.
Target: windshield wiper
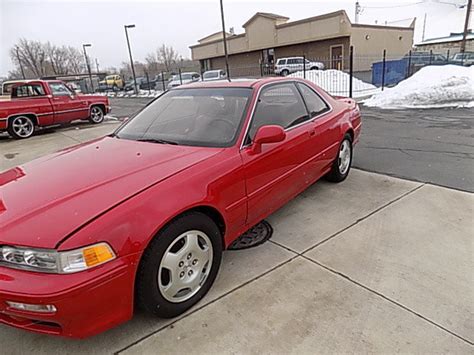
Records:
x=155, y=140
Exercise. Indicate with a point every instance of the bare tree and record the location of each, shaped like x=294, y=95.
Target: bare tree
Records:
x=167, y=56
x=43, y=59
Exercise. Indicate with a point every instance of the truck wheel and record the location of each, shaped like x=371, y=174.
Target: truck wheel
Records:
x=21, y=127
x=97, y=115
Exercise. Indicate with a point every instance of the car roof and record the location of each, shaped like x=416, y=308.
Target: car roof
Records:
x=236, y=83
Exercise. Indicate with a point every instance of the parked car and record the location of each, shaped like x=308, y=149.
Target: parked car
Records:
x=39, y=103
x=466, y=59
x=214, y=75
x=186, y=78
x=142, y=84
x=141, y=217
x=114, y=82
x=426, y=58
x=285, y=66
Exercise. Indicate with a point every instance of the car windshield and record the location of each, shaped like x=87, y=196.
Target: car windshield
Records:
x=198, y=117
x=211, y=74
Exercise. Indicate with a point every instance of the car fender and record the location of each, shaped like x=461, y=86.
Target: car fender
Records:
x=129, y=227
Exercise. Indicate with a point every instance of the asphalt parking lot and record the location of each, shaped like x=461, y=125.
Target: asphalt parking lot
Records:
x=376, y=264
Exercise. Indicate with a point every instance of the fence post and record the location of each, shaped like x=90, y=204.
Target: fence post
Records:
x=409, y=64
x=447, y=57
x=304, y=66
x=351, y=69
x=148, y=82
x=383, y=68
x=163, y=80
x=180, y=78
x=431, y=55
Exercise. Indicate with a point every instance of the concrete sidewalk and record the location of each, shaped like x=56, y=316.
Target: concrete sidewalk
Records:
x=374, y=264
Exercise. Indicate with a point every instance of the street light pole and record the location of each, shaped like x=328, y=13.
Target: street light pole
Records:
x=224, y=38
x=131, y=59
x=88, y=64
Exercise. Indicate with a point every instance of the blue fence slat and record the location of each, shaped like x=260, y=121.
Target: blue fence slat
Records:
x=395, y=71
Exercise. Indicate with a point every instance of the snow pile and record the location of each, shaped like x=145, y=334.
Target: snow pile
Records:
x=431, y=86
x=336, y=82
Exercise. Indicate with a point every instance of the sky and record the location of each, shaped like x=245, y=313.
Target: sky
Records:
x=181, y=23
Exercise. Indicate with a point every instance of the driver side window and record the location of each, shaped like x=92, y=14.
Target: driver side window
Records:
x=59, y=89
x=279, y=104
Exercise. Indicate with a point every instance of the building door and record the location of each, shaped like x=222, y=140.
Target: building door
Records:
x=337, y=57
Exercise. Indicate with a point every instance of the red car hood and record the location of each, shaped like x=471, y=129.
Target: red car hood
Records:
x=45, y=200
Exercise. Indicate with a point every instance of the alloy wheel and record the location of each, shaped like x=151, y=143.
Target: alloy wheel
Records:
x=97, y=115
x=185, y=266
x=344, y=159
x=23, y=126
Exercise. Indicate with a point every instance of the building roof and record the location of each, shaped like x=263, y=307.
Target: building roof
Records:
x=213, y=34
x=267, y=15
x=453, y=37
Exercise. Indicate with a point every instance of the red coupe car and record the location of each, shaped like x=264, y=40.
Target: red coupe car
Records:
x=140, y=218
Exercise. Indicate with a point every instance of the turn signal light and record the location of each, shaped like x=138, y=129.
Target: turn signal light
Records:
x=97, y=254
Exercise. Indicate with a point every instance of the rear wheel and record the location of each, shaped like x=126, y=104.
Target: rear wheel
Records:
x=342, y=164
x=21, y=127
x=97, y=114
x=179, y=266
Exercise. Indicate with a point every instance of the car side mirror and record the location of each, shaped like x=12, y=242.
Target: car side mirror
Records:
x=267, y=134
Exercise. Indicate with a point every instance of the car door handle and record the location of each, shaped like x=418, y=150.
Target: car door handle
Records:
x=312, y=132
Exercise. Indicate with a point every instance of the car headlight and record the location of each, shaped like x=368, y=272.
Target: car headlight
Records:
x=52, y=261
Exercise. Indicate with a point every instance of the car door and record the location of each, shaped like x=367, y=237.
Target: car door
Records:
x=324, y=124
x=67, y=105
x=276, y=173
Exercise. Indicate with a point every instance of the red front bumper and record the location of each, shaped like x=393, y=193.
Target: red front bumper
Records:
x=87, y=303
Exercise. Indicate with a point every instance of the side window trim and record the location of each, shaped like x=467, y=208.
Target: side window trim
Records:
x=315, y=117
x=246, y=141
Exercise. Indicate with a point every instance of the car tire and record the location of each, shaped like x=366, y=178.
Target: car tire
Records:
x=285, y=72
x=342, y=164
x=21, y=127
x=179, y=265
x=97, y=115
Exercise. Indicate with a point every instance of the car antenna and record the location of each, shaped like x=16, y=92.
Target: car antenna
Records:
x=224, y=38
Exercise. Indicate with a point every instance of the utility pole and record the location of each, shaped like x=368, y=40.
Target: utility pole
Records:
x=224, y=38
x=466, y=25
x=88, y=64
x=131, y=59
x=96, y=65
x=19, y=62
x=424, y=27
x=358, y=10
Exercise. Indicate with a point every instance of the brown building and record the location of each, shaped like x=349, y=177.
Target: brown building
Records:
x=324, y=38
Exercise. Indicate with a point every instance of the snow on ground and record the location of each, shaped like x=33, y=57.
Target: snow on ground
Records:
x=430, y=87
x=141, y=93
x=336, y=82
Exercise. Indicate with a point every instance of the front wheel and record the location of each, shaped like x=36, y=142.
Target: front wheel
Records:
x=179, y=266
x=97, y=115
x=285, y=72
x=342, y=164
